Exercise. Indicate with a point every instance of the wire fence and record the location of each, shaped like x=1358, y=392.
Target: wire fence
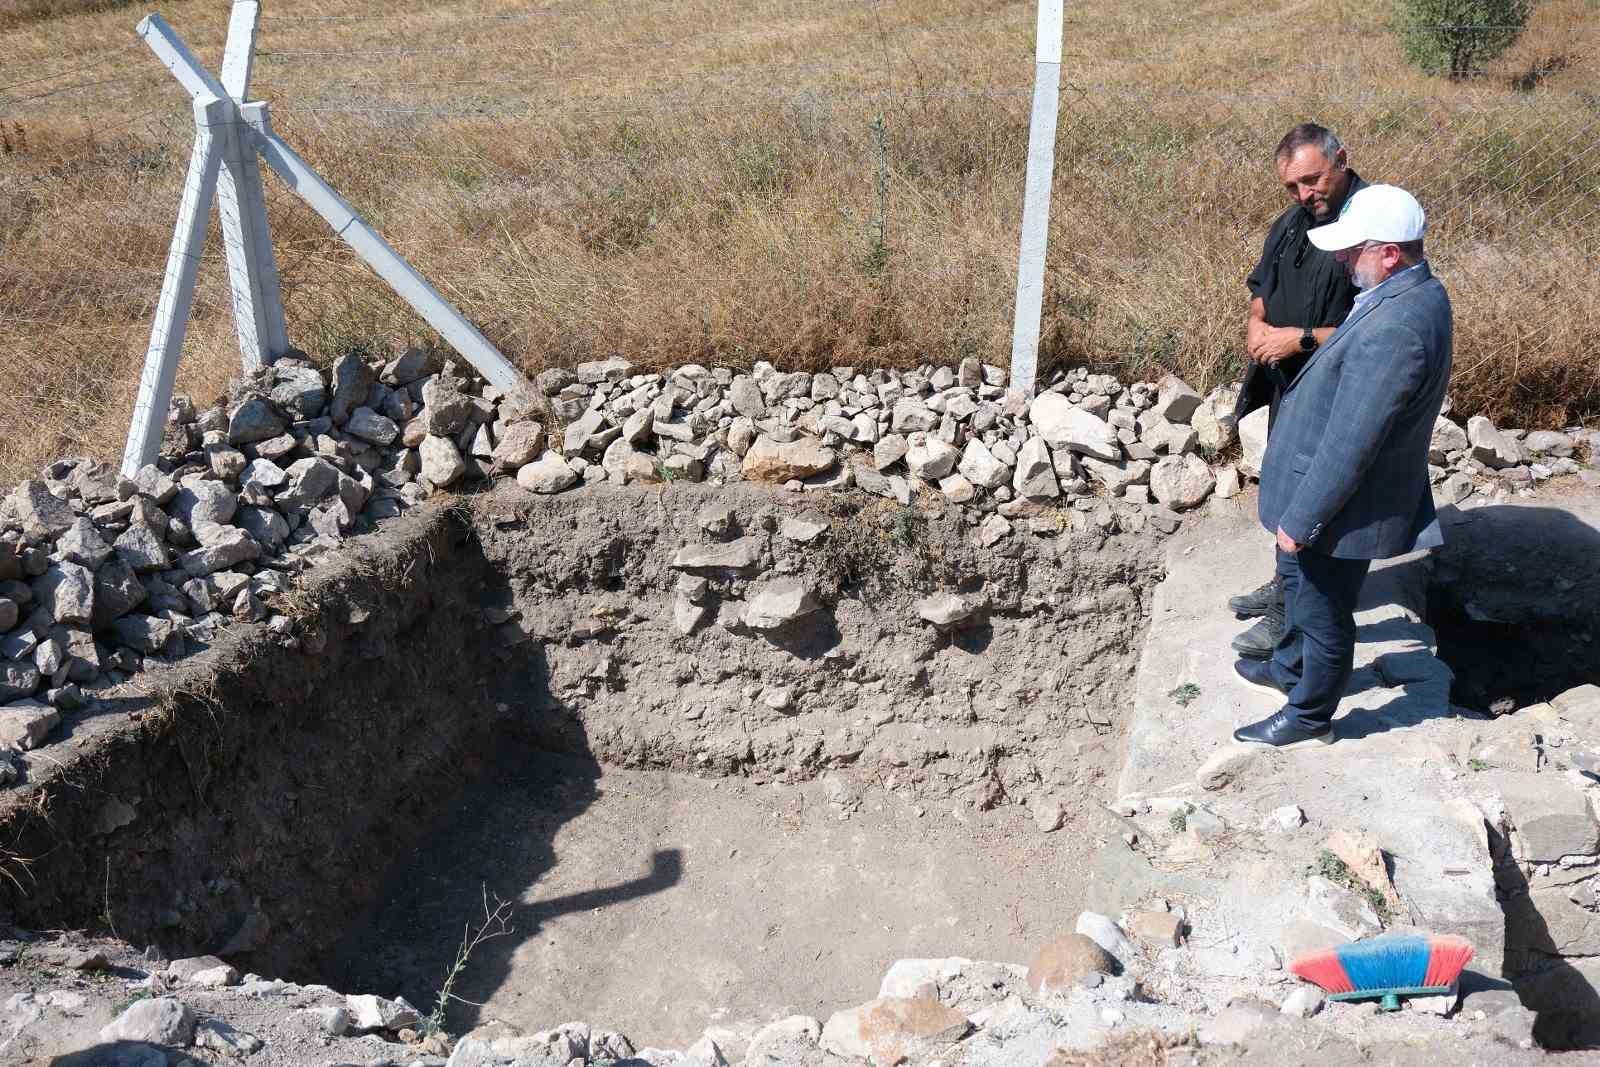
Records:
x=727, y=196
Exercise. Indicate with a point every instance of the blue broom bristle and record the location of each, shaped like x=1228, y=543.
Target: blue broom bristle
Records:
x=1393, y=961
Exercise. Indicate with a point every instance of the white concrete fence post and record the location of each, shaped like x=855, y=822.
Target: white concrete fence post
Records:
x=242, y=210
x=211, y=114
x=1036, y=198
x=231, y=137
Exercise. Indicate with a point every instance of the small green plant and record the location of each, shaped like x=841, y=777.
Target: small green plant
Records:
x=1339, y=873
x=1179, y=821
x=496, y=923
x=1477, y=765
x=905, y=526
x=1456, y=37
x=1185, y=694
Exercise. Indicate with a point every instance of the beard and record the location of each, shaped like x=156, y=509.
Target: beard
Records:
x=1364, y=279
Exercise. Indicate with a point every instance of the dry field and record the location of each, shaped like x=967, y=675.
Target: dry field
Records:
x=813, y=182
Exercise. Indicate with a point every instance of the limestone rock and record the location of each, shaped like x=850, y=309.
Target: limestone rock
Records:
x=1064, y=426
x=25, y=724
x=1161, y=928
x=311, y=481
x=66, y=591
x=1360, y=852
x=1107, y=934
x=889, y=450
x=1117, y=476
x=792, y=1040
x=203, y=500
x=368, y=1012
x=1490, y=446
x=774, y=604
x=1447, y=438
x=951, y=611
x=1035, y=478
x=929, y=458
x=1228, y=483
x=143, y=633
x=912, y=416
x=1213, y=422
x=254, y=420
x=1226, y=765
x=1303, y=1002
x=40, y=513
x=372, y=427
x=742, y=556
x=1175, y=400
x=1549, y=817
x=551, y=473
x=1181, y=482
x=980, y=467
x=352, y=381
x=745, y=395
x=802, y=531
x=82, y=544
x=442, y=464
x=769, y=461
x=117, y=591
x=158, y=1021
x=300, y=391
x=892, y=1030
x=1062, y=964
x=220, y=547
x=1253, y=441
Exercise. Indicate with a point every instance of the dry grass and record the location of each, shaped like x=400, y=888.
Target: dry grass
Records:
x=703, y=180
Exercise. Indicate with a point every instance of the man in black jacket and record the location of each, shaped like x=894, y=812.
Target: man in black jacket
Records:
x=1298, y=295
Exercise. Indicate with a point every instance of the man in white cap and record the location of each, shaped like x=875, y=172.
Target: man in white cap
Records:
x=1345, y=477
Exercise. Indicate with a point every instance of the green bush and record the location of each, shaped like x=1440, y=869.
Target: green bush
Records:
x=1455, y=37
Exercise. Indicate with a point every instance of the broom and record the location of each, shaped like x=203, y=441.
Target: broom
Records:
x=1387, y=968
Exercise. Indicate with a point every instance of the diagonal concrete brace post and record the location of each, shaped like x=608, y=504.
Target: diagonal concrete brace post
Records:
x=378, y=254
x=242, y=211
x=211, y=114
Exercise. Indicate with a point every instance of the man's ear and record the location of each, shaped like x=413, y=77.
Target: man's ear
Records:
x=1340, y=159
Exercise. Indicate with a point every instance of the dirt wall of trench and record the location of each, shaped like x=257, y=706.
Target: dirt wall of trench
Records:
x=251, y=801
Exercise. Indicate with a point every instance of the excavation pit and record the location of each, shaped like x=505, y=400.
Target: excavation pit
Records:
x=702, y=812
x=1514, y=599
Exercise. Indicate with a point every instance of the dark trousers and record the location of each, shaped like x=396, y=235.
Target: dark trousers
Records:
x=1318, y=647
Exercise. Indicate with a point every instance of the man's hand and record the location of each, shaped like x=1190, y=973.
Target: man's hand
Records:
x=1287, y=543
x=1269, y=344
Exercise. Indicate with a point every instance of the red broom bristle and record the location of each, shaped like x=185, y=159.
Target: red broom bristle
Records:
x=1324, y=969
x=1448, y=955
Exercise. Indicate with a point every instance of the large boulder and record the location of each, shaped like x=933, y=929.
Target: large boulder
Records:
x=769, y=461
x=1064, y=426
x=1181, y=482
x=550, y=473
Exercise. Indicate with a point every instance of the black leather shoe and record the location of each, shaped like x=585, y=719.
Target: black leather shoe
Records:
x=1258, y=601
x=1261, y=640
x=1280, y=731
x=1259, y=675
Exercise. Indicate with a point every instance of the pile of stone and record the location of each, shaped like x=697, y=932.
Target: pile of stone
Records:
x=1462, y=461
x=958, y=432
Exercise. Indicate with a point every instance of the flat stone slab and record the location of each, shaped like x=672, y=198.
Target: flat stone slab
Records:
x=1389, y=773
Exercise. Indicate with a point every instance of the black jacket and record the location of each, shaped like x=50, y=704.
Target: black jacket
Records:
x=1301, y=286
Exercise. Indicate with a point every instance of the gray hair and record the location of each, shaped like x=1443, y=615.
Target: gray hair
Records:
x=1309, y=133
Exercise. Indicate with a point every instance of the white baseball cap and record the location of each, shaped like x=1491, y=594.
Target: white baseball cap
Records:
x=1384, y=213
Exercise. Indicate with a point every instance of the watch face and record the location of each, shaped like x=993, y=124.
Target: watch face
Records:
x=1307, y=342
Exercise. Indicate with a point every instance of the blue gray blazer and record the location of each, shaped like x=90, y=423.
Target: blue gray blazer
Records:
x=1346, y=469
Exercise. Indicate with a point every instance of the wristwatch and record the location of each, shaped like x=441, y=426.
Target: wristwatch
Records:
x=1308, y=340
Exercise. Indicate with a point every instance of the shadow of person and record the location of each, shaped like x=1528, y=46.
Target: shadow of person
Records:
x=114, y=1054
x=1564, y=998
